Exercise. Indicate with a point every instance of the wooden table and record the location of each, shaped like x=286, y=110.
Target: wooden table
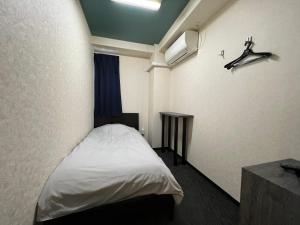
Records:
x=176, y=116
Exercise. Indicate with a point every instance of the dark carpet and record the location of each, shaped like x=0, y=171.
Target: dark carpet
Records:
x=203, y=203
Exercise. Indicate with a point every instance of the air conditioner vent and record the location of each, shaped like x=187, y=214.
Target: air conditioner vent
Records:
x=184, y=46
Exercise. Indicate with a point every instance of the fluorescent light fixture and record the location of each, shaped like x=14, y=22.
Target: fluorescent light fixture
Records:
x=146, y=4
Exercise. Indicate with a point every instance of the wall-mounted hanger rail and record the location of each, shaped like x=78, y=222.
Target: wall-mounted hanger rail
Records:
x=247, y=53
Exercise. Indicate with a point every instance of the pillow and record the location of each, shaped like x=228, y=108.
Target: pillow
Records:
x=115, y=129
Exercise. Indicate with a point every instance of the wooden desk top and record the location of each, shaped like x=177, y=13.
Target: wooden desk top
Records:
x=174, y=114
x=276, y=175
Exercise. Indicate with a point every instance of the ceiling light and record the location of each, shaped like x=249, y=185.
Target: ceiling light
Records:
x=146, y=4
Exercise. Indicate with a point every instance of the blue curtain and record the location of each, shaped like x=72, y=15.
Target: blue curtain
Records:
x=107, y=86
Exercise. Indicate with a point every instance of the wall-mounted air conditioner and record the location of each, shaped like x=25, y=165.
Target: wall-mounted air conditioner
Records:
x=184, y=46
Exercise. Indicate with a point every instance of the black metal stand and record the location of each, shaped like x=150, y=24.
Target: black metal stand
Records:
x=176, y=116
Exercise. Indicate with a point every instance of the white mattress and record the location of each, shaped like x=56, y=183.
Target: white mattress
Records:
x=112, y=164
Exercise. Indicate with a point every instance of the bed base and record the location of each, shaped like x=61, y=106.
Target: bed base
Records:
x=146, y=210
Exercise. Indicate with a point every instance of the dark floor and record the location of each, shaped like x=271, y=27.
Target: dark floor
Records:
x=203, y=203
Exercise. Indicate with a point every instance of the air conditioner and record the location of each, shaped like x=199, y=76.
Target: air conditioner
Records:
x=184, y=46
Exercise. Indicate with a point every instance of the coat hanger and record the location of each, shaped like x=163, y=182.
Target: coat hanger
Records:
x=247, y=52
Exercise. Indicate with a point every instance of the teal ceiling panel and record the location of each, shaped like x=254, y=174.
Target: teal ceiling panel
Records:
x=113, y=20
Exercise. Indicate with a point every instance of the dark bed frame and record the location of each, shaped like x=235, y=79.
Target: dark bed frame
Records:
x=128, y=119
x=144, y=210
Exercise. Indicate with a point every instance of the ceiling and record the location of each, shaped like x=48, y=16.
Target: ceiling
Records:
x=112, y=20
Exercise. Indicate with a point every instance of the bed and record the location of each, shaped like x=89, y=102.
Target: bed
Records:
x=113, y=172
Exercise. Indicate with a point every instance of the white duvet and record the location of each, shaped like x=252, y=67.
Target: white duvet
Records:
x=112, y=164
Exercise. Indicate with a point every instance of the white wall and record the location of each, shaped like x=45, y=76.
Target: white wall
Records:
x=46, y=97
x=251, y=115
x=158, y=102
x=135, y=88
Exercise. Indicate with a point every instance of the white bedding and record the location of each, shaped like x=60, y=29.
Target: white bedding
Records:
x=112, y=164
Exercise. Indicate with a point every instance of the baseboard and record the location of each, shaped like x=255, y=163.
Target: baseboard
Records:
x=209, y=180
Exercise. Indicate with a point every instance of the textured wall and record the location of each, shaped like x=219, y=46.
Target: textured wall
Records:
x=250, y=115
x=46, y=97
x=134, y=88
